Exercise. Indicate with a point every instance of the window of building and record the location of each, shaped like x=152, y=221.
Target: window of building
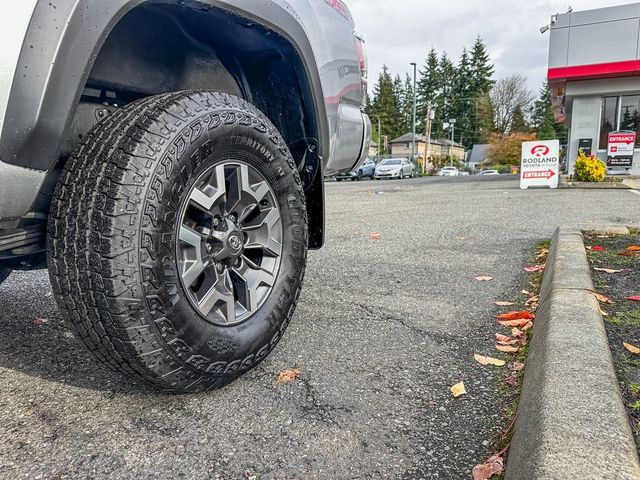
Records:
x=619, y=113
x=608, y=120
x=630, y=115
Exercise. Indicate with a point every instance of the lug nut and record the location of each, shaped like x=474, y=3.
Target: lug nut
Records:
x=232, y=217
x=216, y=222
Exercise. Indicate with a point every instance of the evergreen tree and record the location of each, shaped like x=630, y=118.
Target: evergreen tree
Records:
x=481, y=68
x=385, y=104
x=542, y=118
x=428, y=89
x=484, y=124
x=519, y=123
x=463, y=100
x=406, y=109
x=400, y=94
x=445, y=100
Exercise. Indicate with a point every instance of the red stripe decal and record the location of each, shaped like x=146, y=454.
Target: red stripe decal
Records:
x=626, y=68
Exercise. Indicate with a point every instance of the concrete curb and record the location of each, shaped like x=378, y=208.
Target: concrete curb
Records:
x=571, y=421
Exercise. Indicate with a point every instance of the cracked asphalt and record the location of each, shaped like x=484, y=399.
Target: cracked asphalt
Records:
x=382, y=330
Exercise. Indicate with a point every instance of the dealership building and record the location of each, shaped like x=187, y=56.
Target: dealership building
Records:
x=594, y=79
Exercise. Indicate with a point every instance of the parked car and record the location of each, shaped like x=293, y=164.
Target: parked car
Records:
x=449, y=172
x=366, y=170
x=395, y=168
x=173, y=214
x=488, y=172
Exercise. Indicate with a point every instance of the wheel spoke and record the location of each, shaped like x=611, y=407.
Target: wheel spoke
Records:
x=220, y=293
x=193, y=266
x=208, y=195
x=252, y=279
x=261, y=235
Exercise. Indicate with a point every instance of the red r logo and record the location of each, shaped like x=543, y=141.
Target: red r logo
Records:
x=539, y=150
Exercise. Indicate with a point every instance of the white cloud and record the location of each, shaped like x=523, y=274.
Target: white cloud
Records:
x=399, y=32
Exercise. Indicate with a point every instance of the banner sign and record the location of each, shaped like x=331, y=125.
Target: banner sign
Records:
x=540, y=164
x=620, y=151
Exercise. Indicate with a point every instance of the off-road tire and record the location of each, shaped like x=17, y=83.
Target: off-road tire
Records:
x=112, y=233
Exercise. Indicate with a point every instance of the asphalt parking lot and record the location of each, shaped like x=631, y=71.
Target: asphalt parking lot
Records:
x=383, y=329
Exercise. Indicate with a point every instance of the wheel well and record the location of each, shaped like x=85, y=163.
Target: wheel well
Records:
x=157, y=48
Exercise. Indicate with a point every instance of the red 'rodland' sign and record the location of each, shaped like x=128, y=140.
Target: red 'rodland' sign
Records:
x=540, y=164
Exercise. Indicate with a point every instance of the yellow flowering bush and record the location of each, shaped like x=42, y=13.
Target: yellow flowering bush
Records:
x=590, y=168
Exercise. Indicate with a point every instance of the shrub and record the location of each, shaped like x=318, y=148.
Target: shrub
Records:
x=590, y=169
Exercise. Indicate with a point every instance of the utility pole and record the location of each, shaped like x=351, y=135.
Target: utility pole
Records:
x=453, y=132
x=413, y=122
x=379, y=138
x=427, y=135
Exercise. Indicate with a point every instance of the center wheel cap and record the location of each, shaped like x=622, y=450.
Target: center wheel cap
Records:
x=235, y=243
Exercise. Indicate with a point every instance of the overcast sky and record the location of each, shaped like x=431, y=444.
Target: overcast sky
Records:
x=399, y=32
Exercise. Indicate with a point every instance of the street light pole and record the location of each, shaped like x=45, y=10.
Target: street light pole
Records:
x=413, y=122
x=379, y=138
x=453, y=134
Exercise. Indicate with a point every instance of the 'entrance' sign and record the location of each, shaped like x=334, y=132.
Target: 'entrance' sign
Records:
x=540, y=164
x=620, y=151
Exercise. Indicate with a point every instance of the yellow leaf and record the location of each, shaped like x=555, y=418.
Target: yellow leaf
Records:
x=458, y=390
x=507, y=349
x=504, y=304
x=482, y=360
x=602, y=298
x=631, y=348
x=287, y=376
x=609, y=270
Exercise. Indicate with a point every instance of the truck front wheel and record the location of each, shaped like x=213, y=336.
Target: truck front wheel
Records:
x=178, y=239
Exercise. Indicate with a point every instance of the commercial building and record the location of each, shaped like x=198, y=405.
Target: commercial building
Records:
x=594, y=79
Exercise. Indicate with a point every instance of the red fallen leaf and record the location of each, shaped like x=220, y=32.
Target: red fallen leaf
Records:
x=504, y=340
x=597, y=248
x=488, y=469
x=40, y=321
x=535, y=269
x=522, y=323
x=287, y=376
x=522, y=314
x=634, y=298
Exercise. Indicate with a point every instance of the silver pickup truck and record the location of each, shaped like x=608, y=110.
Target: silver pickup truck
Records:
x=164, y=159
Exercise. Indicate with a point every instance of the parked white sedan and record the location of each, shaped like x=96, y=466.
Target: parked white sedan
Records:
x=449, y=172
x=395, y=168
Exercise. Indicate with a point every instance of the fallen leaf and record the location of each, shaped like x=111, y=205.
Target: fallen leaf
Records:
x=40, y=321
x=504, y=340
x=374, y=236
x=287, y=376
x=517, y=315
x=483, y=278
x=602, y=298
x=532, y=300
x=504, y=304
x=633, y=248
x=528, y=326
x=611, y=270
x=370, y=192
x=460, y=238
x=631, y=348
x=482, y=360
x=535, y=269
x=542, y=253
x=458, y=390
x=525, y=292
x=603, y=313
x=488, y=469
x=507, y=349
x=597, y=248
x=512, y=380
x=516, y=366
x=48, y=295
x=515, y=332
x=522, y=323
x=635, y=298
